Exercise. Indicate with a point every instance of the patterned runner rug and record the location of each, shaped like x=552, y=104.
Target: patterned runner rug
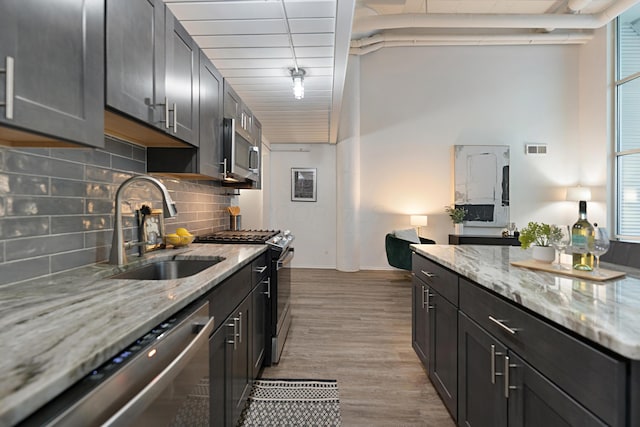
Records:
x=292, y=403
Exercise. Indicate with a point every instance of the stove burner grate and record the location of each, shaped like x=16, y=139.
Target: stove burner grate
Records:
x=238, y=236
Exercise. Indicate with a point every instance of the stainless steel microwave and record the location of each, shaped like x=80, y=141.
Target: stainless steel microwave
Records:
x=241, y=156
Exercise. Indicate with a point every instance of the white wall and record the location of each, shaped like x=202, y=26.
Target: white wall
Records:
x=432, y=98
x=312, y=223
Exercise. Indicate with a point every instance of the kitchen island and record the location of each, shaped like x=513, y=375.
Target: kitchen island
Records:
x=580, y=339
x=55, y=330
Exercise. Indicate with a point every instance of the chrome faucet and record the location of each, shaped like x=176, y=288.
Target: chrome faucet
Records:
x=118, y=254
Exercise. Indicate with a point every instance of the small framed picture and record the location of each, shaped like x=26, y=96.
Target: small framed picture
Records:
x=152, y=230
x=303, y=184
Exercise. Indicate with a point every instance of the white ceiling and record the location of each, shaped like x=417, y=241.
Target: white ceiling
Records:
x=249, y=41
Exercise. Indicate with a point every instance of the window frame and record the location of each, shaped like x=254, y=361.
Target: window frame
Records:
x=618, y=154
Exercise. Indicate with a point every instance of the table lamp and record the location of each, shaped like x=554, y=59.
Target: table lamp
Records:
x=419, y=221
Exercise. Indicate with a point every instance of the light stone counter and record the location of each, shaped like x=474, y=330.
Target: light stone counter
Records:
x=54, y=331
x=607, y=312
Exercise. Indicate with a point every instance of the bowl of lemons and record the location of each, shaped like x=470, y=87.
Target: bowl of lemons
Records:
x=181, y=237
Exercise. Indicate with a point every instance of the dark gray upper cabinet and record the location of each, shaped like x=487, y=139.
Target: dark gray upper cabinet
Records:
x=203, y=162
x=232, y=102
x=54, y=52
x=150, y=61
x=135, y=58
x=235, y=108
x=182, y=69
x=211, y=86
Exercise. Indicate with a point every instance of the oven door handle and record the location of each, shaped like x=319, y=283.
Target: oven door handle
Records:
x=155, y=387
x=285, y=259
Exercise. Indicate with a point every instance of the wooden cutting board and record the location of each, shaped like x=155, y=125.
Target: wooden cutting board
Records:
x=602, y=275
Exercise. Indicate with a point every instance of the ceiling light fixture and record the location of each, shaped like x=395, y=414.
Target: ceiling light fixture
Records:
x=298, y=82
x=297, y=73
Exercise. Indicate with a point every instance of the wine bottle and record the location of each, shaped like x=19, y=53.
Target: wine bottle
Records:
x=582, y=235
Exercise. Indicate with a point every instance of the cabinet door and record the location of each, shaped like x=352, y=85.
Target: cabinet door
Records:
x=259, y=327
x=536, y=401
x=135, y=59
x=232, y=104
x=420, y=321
x=210, y=152
x=247, y=119
x=220, y=354
x=257, y=134
x=241, y=369
x=443, y=350
x=181, y=80
x=56, y=52
x=481, y=399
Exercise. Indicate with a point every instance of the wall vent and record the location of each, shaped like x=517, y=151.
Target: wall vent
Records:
x=535, y=149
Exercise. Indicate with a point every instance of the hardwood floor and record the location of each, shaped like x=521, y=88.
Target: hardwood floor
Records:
x=356, y=328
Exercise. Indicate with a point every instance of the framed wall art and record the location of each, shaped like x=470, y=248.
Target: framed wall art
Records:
x=482, y=184
x=303, y=185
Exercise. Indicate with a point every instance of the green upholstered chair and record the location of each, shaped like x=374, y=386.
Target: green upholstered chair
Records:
x=399, y=252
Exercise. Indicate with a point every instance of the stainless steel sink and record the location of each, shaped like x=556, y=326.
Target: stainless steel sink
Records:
x=171, y=269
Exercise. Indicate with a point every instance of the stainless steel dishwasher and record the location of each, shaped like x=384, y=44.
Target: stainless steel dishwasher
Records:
x=162, y=379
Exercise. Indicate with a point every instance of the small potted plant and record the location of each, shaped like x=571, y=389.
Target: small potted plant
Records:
x=540, y=236
x=457, y=216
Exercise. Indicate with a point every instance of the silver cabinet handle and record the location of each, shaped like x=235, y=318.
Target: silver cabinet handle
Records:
x=428, y=302
x=428, y=274
x=240, y=327
x=260, y=269
x=233, y=340
x=507, y=386
x=9, y=79
x=166, y=113
x=175, y=118
x=424, y=289
x=268, y=282
x=494, y=374
x=500, y=323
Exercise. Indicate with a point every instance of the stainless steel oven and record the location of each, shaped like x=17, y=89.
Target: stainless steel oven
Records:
x=162, y=379
x=281, y=254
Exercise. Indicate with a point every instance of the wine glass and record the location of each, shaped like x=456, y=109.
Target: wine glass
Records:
x=560, y=239
x=599, y=246
x=511, y=228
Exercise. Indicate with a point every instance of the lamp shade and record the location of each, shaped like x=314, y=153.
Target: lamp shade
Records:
x=578, y=193
x=419, y=220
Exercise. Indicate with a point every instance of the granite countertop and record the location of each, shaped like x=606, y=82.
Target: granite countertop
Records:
x=607, y=313
x=55, y=330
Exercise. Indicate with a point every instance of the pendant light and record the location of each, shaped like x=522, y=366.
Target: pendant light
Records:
x=298, y=82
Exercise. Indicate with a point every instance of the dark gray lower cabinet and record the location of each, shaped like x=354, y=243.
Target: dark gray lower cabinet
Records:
x=443, y=364
x=241, y=368
x=495, y=364
x=218, y=368
x=259, y=327
x=420, y=321
x=435, y=327
x=498, y=388
x=237, y=346
x=480, y=379
x=230, y=376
